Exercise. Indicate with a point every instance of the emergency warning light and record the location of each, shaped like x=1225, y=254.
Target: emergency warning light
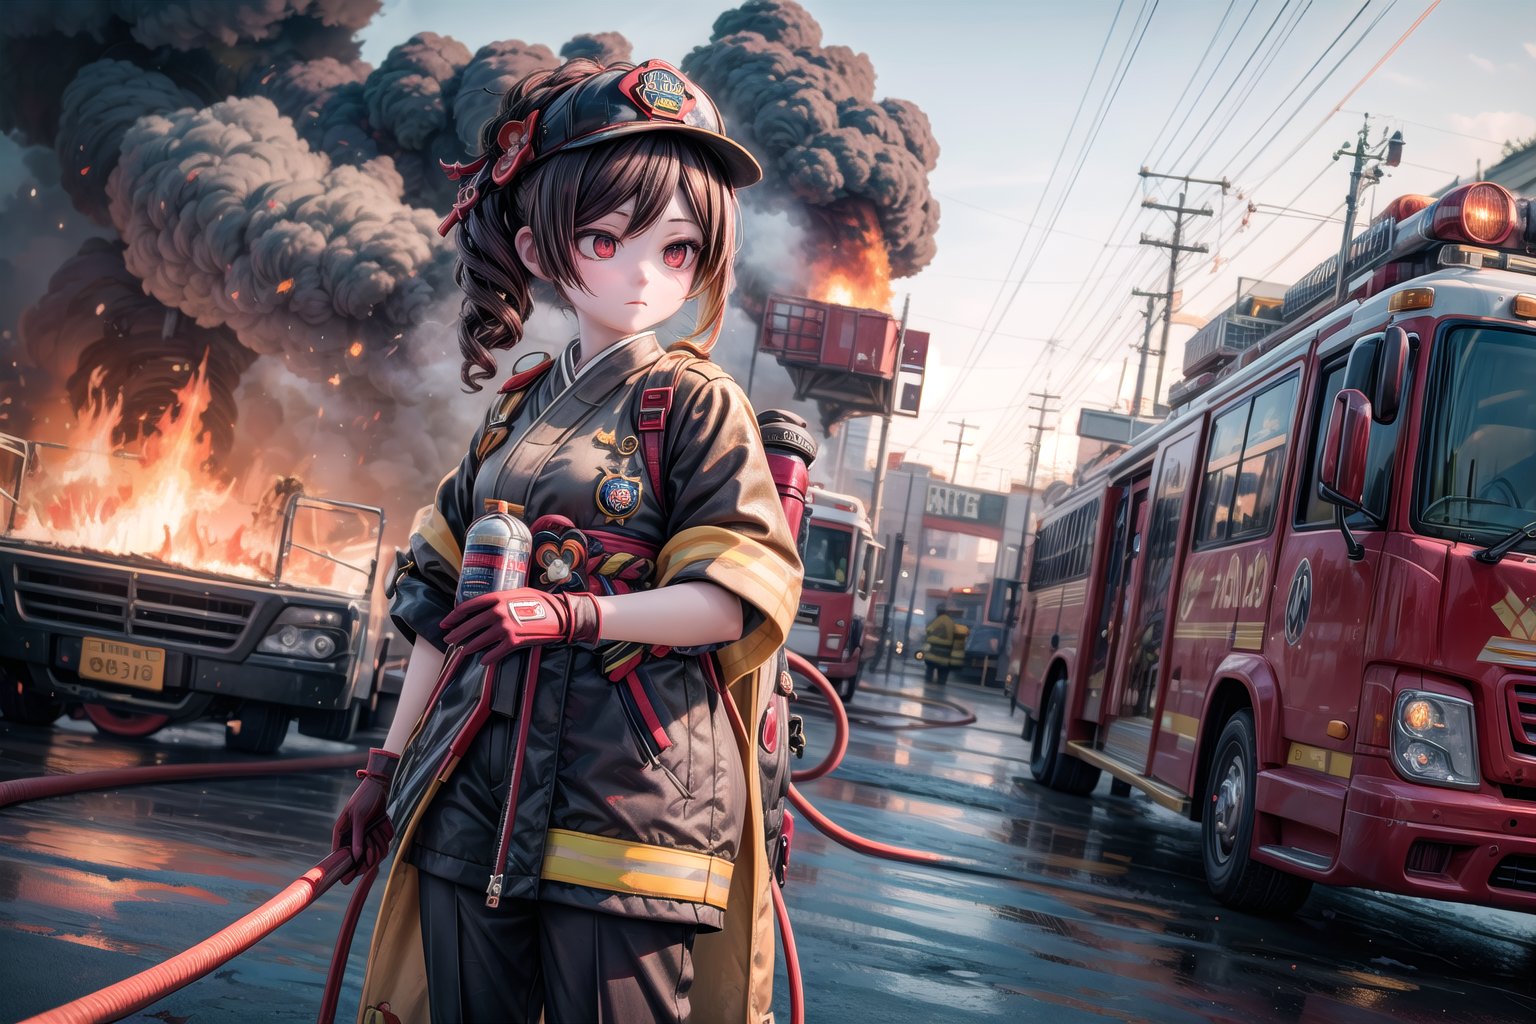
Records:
x=1483, y=214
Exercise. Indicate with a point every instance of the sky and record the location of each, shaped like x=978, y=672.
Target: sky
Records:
x=1046, y=112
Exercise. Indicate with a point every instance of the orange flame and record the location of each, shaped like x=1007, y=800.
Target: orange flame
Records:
x=161, y=501
x=285, y=286
x=858, y=275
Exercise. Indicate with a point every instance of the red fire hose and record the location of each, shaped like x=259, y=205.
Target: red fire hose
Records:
x=141, y=990
x=17, y=791
x=117, y=1001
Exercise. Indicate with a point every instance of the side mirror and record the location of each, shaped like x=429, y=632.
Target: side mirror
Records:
x=1391, y=375
x=1341, y=480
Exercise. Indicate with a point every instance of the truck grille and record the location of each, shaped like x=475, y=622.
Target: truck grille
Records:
x=116, y=603
x=1522, y=716
x=1517, y=871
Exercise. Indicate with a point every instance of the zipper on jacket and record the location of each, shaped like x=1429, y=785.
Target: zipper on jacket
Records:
x=493, y=888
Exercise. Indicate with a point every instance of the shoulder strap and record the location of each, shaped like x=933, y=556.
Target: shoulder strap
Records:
x=656, y=393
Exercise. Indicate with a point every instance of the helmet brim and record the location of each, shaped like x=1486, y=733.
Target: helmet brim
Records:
x=741, y=167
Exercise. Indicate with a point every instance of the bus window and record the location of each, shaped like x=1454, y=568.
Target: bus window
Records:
x=1263, y=466
x=1245, y=467
x=1220, y=478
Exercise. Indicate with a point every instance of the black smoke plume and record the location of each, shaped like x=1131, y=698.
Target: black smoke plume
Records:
x=277, y=198
x=833, y=154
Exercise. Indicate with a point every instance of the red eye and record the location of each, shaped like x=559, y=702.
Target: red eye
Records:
x=679, y=255
x=597, y=246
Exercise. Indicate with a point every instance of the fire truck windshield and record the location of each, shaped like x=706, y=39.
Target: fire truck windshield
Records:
x=828, y=553
x=1481, y=466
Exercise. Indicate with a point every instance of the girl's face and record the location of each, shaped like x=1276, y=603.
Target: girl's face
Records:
x=632, y=281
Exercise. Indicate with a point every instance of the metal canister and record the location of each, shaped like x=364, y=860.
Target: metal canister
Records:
x=496, y=550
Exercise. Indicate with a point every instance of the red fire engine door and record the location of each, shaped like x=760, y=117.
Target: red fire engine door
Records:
x=1114, y=609
x=1316, y=644
x=1134, y=699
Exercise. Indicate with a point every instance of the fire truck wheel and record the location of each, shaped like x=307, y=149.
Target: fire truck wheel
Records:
x=135, y=725
x=328, y=724
x=258, y=728
x=847, y=686
x=1226, y=830
x=27, y=707
x=1047, y=763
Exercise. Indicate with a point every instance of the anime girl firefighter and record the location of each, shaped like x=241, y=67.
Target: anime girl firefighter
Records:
x=581, y=826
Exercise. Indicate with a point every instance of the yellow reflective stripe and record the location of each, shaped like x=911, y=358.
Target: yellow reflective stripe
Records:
x=431, y=528
x=640, y=869
x=753, y=572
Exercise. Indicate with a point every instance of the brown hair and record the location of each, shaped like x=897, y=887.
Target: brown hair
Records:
x=575, y=186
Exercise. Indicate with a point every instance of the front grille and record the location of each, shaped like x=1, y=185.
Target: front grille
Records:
x=1522, y=716
x=1517, y=871
x=116, y=603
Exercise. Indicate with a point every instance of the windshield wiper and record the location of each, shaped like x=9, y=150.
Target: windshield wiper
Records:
x=1491, y=555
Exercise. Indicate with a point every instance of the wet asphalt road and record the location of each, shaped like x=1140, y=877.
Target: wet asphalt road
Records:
x=1063, y=908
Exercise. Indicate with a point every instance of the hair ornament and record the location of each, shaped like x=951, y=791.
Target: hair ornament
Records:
x=513, y=149
x=516, y=143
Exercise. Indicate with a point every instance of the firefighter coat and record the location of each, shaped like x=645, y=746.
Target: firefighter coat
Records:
x=635, y=798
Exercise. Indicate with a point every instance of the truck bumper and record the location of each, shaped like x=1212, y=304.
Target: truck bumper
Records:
x=1440, y=843
x=192, y=681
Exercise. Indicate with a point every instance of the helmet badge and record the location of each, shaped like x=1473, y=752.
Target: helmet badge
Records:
x=659, y=90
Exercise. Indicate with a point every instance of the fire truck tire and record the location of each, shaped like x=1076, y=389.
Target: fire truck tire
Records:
x=27, y=707
x=328, y=724
x=1226, y=830
x=259, y=728
x=1047, y=762
x=134, y=725
x=846, y=687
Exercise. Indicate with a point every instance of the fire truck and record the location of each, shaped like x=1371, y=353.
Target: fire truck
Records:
x=136, y=643
x=1302, y=611
x=834, y=627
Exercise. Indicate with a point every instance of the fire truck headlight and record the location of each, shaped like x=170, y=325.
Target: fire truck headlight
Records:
x=1434, y=740
x=311, y=633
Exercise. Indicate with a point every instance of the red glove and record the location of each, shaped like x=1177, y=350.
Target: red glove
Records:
x=364, y=823
x=507, y=620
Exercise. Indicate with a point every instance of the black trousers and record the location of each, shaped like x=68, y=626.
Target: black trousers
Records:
x=572, y=965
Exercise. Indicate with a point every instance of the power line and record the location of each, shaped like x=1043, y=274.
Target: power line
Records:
x=1118, y=79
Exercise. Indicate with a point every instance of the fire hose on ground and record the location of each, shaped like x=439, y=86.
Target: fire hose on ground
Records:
x=141, y=990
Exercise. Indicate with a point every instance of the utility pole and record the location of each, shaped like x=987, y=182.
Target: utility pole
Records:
x=1145, y=348
x=898, y=552
x=885, y=429
x=1018, y=567
x=1390, y=153
x=1174, y=247
x=954, y=475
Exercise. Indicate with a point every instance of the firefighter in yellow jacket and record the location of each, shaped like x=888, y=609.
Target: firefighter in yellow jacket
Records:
x=581, y=844
x=938, y=651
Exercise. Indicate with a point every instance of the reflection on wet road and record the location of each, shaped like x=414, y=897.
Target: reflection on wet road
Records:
x=1066, y=909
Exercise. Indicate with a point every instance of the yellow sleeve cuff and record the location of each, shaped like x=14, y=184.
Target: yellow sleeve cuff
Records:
x=753, y=572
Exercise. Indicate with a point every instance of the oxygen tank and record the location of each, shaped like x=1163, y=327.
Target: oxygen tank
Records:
x=496, y=549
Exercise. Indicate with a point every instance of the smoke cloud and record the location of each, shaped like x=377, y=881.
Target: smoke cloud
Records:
x=95, y=318
x=100, y=105
x=831, y=151
x=277, y=202
x=230, y=218
x=182, y=24
x=603, y=47
x=41, y=229
x=496, y=67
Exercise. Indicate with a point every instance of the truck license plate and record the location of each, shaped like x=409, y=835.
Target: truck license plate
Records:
x=113, y=661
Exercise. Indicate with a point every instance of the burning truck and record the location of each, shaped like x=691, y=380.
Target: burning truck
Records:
x=140, y=588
